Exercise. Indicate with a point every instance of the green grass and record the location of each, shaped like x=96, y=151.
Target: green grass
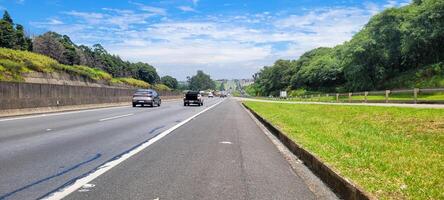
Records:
x=132, y=82
x=393, y=153
x=14, y=63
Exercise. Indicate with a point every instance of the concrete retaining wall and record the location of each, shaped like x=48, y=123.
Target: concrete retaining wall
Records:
x=34, y=95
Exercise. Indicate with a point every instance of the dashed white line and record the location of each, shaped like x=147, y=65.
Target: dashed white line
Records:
x=107, y=166
x=116, y=117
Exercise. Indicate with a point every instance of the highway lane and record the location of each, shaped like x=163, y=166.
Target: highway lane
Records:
x=221, y=154
x=41, y=153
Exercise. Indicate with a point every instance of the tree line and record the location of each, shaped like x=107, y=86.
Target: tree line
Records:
x=12, y=35
x=64, y=50
x=396, y=41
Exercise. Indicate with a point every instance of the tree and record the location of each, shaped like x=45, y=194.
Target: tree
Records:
x=23, y=43
x=147, y=73
x=394, y=42
x=7, y=18
x=170, y=82
x=201, y=81
x=7, y=35
x=222, y=86
x=49, y=45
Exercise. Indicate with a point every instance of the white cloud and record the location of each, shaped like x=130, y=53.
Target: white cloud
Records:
x=120, y=18
x=233, y=46
x=186, y=9
x=156, y=10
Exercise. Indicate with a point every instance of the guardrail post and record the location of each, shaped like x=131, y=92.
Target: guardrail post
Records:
x=319, y=97
x=387, y=93
x=327, y=97
x=337, y=97
x=350, y=97
x=415, y=95
x=365, y=97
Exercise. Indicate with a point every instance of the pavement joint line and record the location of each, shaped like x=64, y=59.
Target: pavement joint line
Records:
x=116, y=117
x=63, y=192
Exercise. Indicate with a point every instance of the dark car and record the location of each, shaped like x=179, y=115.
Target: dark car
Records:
x=146, y=97
x=193, y=97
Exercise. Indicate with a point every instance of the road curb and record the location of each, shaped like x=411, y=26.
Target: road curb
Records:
x=340, y=185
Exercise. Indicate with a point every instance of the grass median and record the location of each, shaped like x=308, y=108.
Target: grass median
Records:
x=393, y=153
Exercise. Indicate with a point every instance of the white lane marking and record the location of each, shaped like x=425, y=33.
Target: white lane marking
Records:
x=225, y=142
x=86, y=188
x=61, y=113
x=109, y=165
x=116, y=117
x=72, y=112
x=48, y=129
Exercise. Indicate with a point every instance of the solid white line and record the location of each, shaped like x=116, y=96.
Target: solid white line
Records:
x=116, y=117
x=107, y=166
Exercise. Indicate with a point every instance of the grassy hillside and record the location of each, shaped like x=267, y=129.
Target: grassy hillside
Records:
x=14, y=63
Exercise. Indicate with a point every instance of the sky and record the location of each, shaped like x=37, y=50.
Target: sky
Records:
x=229, y=39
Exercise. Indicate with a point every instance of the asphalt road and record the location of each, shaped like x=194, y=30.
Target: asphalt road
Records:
x=220, y=154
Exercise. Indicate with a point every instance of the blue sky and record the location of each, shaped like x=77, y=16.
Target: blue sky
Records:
x=227, y=39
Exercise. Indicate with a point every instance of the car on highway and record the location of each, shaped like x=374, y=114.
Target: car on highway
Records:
x=210, y=95
x=223, y=94
x=193, y=97
x=146, y=97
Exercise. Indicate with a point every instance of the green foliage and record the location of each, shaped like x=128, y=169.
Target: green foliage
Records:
x=296, y=93
x=132, y=82
x=7, y=17
x=253, y=90
x=91, y=73
x=201, y=81
x=393, y=47
x=162, y=87
x=146, y=73
x=221, y=87
x=170, y=82
x=13, y=36
x=13, y=63
x=61, y=48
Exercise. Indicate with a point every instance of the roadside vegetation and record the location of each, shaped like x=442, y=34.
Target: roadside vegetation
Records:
x=201, y=81
x=398, y=48
x=52, y=52
x=393, y=153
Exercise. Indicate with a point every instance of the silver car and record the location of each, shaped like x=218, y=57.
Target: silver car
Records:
x=146, y=97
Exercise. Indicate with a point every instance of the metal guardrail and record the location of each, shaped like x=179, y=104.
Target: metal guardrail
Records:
x=415, y=95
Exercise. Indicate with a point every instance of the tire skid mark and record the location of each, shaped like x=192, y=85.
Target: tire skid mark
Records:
x=102, y=165
x=50, y=177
